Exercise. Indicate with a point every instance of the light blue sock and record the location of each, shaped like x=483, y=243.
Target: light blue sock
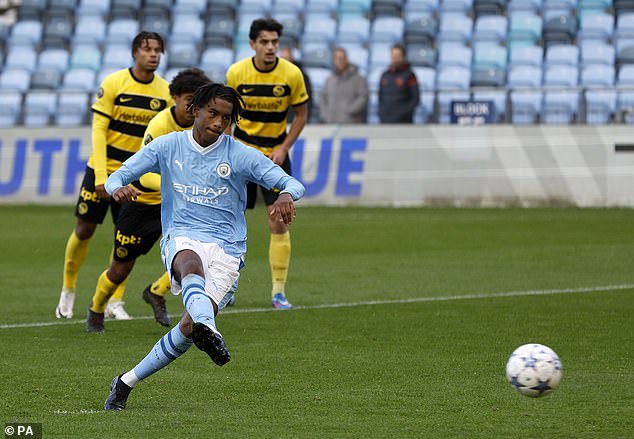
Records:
x=171, y=346
x=197, y=303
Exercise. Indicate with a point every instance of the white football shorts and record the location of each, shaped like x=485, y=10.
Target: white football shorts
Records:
x=221, y=269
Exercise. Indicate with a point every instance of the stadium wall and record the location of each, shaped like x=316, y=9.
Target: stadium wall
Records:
x=386, y=165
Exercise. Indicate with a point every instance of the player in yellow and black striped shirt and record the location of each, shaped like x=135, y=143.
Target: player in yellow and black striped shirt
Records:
x=139, y=224
x=270, y=86
x=126, y=102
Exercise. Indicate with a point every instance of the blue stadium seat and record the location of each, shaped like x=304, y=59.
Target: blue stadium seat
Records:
x=219, y=31
x=488, y=77
x=556, y=8
x=455, y=27
x=124, y=9
x=58, y=29
x=533, y=6
x=558, y=54
x=79, y=79
x=387, y=29
x=624, y=32
x=525, y=96
x=188, y=29
x=31, y=9
x=421, y=29
x=321, y=6
x=71, y=109
x=188, y=7
x=560, y=106
x=121, y=31
x=39, y=107
x=379, y=55
x=352, y=29
x=374, y=78
x=10, y=109
x=216, y=58
x=527, y=55
x=560, y=29
x=87, y=8
x=462, y=6
x=452, y=84
x=259, y=7
x=421, y=55
x=488, y=55
x=46, y=78
x=417, y=8
x=598, y=26
x=15, y=79
x=356, y=8
x=27, y=32
x=387, y=8
x=183, y=55
x=454, y=54
x=317, y=56
x=491, y=28
x=54, y=58
x=288, y=6
x=21, y=57
x=117, y=57
x=90, y=29
x=85, y=57
x=525, y=26
x=317, y=77
x=597, y=52
x=319, y=28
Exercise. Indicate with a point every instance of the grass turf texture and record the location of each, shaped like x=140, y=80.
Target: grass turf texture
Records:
x=423, y=369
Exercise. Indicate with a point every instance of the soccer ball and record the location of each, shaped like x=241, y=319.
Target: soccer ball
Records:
x=534, y=370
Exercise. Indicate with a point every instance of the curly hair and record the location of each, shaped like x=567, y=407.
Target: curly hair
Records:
x=212, y=91
x=187, y=81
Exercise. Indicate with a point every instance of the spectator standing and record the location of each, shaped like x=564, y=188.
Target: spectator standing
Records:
x=399, y=94
x=344, y=97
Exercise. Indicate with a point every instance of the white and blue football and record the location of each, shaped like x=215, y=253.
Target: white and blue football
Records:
x=534, y=370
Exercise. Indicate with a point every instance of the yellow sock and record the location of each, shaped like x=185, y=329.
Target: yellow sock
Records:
x=105, y=289
x=279, y=260
x=119, y=292
x=76, y=251
x=161, y=286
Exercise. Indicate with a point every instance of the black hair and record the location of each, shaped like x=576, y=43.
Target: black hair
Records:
x=144, y=36
x=187, y=81
x=212, y=91
x=261, y=24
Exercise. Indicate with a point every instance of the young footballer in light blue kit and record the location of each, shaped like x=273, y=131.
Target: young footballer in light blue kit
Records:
x=203, y=182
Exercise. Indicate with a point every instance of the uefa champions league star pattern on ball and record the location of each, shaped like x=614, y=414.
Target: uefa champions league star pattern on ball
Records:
x=534, y=370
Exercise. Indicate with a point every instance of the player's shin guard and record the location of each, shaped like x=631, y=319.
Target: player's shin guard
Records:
x=196, y=301
x=171, y=346
x=279, y=260
x=105, y=289
x=161, y=286
x=74, y=257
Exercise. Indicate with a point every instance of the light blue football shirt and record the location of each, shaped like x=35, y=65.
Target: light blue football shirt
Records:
x=204, y=189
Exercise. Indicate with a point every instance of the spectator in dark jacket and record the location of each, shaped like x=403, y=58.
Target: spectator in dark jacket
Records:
x=399, y=94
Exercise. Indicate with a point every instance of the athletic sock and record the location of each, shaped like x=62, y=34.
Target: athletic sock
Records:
x=196, y=301
x=161, y=286
x=104, y=290
x=279, y=260
x=117, y=296
x=74, y=257
x=171, y=346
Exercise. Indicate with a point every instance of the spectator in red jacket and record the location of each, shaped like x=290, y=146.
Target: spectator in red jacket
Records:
x=399, y=94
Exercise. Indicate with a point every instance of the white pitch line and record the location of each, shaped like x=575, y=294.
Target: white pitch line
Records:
x=364, y=303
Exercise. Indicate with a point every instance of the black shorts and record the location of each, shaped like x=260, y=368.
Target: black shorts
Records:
x=136, y=232
x=90, y=207
x=269, y=195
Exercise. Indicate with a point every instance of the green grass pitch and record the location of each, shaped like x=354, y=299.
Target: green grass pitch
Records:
x=403, y=329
